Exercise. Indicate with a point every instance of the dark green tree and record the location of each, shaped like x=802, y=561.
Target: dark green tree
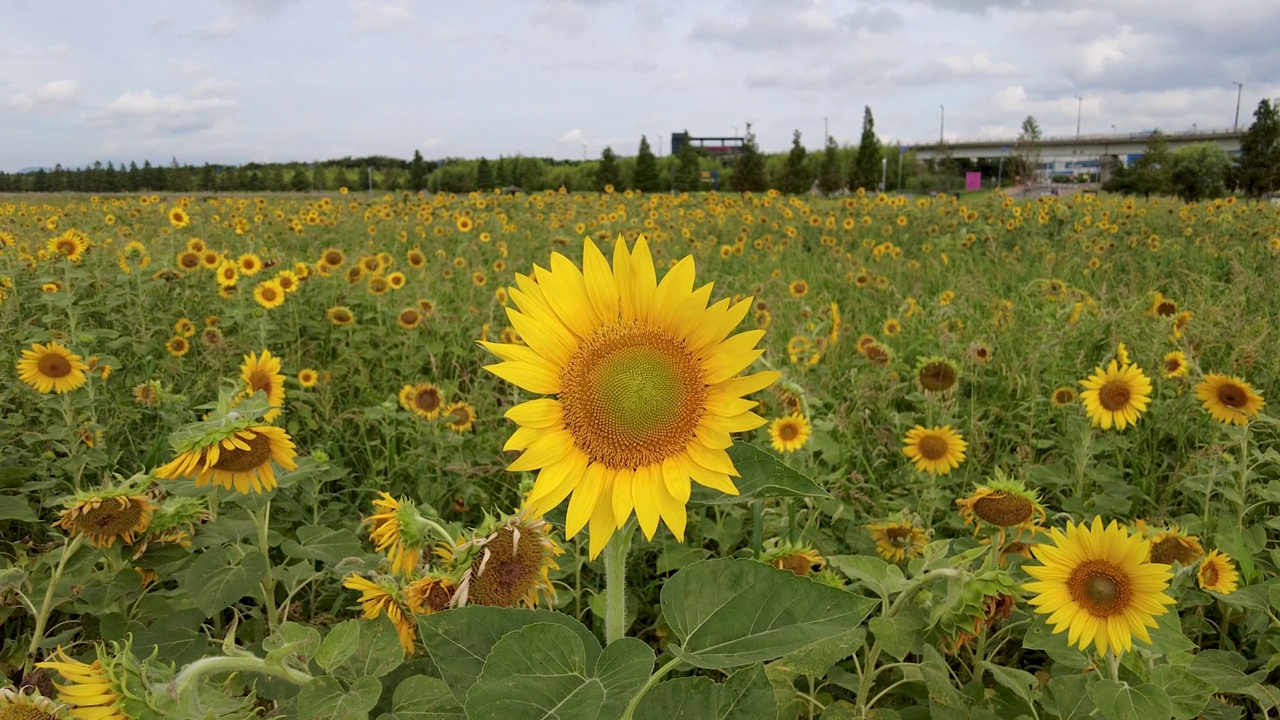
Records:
x=1258, y=169
x=795, y=176
x=417, y=172
x=689, y=168
x=300, y=181
x=340, y=177
x=1026, y=157
x=867, y=169
x=829, y=175
x=646, y=177
x=1150, y=174
x=1198, y=171
x=608, y=172
x=319, y=177
x=748, y=171
x=484, y=175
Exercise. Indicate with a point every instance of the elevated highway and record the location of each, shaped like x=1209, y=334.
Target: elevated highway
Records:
x=1117, y=146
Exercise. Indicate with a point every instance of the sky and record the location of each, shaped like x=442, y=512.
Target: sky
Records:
x=235, y=81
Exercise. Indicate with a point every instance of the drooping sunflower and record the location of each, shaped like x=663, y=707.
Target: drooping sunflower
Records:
x=936, y=451
x=269, y=294
x=459, y=416
x=431, y=593
x=105, y=515
x=1174, y=544
x=340, y=315
x=384, y=598
x=308, y=377
x=239, y=459
x=1218, y=573
x=1004, y=503
x=1116, y=396
x=878, y=354
x=937, y=374
x=1063, y=396
x=789, y=433
x=423, y=399
x=262, y=373
x=397, y=530
x=1229, y=399
x=898, y=540
x=646, y=394
x=512, y=564
x=92, y=692
x=51, y=368
x=800, y=559
x=1174, y=365
x=1096, y=584
x=17, y=705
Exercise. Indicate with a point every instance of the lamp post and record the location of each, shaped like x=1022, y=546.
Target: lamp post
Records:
x=1079, y=108
x=584, y=151
x=942, y=124
x=826, y=134
x=1239, y=89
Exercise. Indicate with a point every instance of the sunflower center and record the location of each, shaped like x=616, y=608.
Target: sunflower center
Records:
x=1172, y=364
x=1114, y=395
x=67, y=247
x=937, y=376
x=788, y=431
x=1209, y=575
x=260, y=380
x=1062, y=397
x=899, y=535
x=1003, y=508
x=1232, y=396
x=1100, y=587
x=1166, y=309
x=236, y=460
x=268, y=294
x=427, y=399
x=25, y=712
x=52, y=365
x=510, y=571
x=632, y=395
x=933, y=447
x=1166, y=550
x=112, y=517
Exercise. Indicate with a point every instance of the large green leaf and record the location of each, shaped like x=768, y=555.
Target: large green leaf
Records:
x=871, y=571
x=1187, y=693
x=729, y=612
x=746, y=695
x=1121, y=701
x=763, y=475
x=316, y=542
x=376, y=653
x=338, y=645
x=16, y=508
x=216, y=580
x=1224, y=670
x=1067, y=696
x=422, y=697
x=899, y=635
x=326, y=699
x=537, y=672
x=459, y=641
x=623, y=668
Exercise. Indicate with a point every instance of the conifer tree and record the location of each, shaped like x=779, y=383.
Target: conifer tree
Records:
x=829, y=176
x=795, y=176
x=867, y=165
x=1258, y=168
x=484, y=175
x=689, y=169
x=748, y=172
x=646, y=176
x=417, y=172
x=607, y=172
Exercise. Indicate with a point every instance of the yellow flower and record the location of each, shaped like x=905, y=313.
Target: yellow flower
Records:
x=1174, y=365
x=177, y=346
x=897, y=541
x=263, y=374
x=389, y=519
x=644, y=375
x=937, y=451
x=1229, y=399
x=1116, y=396
x=423, y=399
x=1173, y=544
x=308, y=377
x=51, y=368
x=227, y=274
x=798, y=288
x=340, y=315
x=790, y=433
x=71, y=244
x=179, y=218
x=1097, y=585
x=459, y=416
x=241, y=460
x=92, y=692
x=1063, y=396
x=17, y=705
x=378, y=599
x=269, y=294
x=1218, y=573
x=104, y=516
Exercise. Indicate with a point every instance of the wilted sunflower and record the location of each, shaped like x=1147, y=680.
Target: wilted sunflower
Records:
x=980, y=353
x=93, y=692
x=1174, y=544
x=17, y=705
x=1004, y=503
x=1229, y=399
x=878, y=354
x=1063, y=396
x=1218, y=573
x=105, y=515
x=646, y=394
x=936, y=451
x=399, y=530
x=863, y=342
x=1174, y=364
x=211, y=336
x=789, y=433
x=269, y=294
x=423, y=399
x=431, y=593
x=51, y=368
x=937, y=374
x=511, y=565
x=1116, y=396
x=459, y=416
x=378, y=598
x=898, y=540
x=262, y=373
x=147, y=394
x=1097, y=585
x=240, y=458
x=340, y=315
x=798, y=558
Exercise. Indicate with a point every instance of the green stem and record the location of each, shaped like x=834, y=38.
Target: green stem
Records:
x=615, y=583
x=1113, y=664
x=263, y=521
x=1081, y=477
x=648, y=685
x=1244, y=475
x=46, y=607
x=182, y=684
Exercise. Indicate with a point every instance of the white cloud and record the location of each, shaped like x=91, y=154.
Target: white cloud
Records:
x=220, y=29
x=50, y=95
x=196, y=109
x=374, y=17
x=572, y=137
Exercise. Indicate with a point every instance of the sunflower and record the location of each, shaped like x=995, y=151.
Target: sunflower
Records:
x=340, y=315
x=1097, y=584
x=17, y=705
x=798, y=288
x=71, y=244
x=1174, y=365
x=898, y=540
x=51, y=368
x=93, y=692
x=177, y=346
x=980, y=353
x=891, y=327
x=105, y=515
x=646, y=390
x=1218, y=573
x=464, y=224
x=459, y=416
x=396, y=280
x=1116, y=396
x=1004, y=503
x=1063, y=396
x=227, y=274
x=430, y=593
x=262, y=373
x=799, y=559
x=333, y=258
x=210, y=259
x=1162, y=306
x=1180, y=323
x=512, y=564
x=423, y=399
x=269, y=294
x=184, y=327
x=937, y=374
x=288, y=281
x=378, y=598
x=188, y=261
x=790, y=433
x=415, y=258
x=211, y=336
x=1174, y=544
x=409, y=318
x=147, y=394
x=1229, y=399
x=879, y=355
x=397, y=529
x=863, y=342
x=937, y=451
x=179, y=219
x=249, y=264
x=308, y=377
x=239, y=459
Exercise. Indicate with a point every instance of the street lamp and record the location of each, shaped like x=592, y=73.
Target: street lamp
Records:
x=1079, y=107
x=826, y=135
x=1239, y=89
x=942, y=124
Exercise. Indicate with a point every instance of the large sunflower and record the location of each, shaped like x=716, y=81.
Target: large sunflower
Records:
x=646, y=393
x=1116, y=396
x=93, y=691
x=17, y=705
x=240, y=460
x=105, y=515
x=1228, y=399
x=511, y=564
x=263, y=373
x=1097, y=584
x=936, y=451
x=51, y=368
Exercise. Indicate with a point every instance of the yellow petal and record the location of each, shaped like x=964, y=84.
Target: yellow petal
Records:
x=642, y=490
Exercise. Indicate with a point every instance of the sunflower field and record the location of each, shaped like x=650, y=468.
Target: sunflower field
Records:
x=618, y=455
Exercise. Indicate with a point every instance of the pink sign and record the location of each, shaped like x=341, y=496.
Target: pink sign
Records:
x=973, y=181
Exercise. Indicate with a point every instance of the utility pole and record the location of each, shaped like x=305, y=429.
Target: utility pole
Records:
x=584, y=152
x=942, y=124
x=902, y=150
x=370, y=171
x=1239, y=89
x=659, y=144
x=884, y=174
x=1079, y=108
x=826, y=135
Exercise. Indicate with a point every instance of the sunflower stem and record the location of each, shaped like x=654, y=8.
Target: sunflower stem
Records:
x=263, y=522
x=1113, y=664
x=1244, y=475
x=653, y=680
x=46, y=607
x=615, y=583
x=184, y=682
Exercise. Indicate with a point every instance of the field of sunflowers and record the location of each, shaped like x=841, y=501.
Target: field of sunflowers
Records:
x=567, y=455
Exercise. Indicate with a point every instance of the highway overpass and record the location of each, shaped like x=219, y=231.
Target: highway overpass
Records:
x=1119, y=147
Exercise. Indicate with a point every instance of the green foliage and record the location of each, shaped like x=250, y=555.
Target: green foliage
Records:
x=748, y=170
x=1258, y=167
x=608, y=173
x=829, y=176
x=1198, y=171
x=646, y=178
x=795, y=177
x=484, y=175
x=688, y=174
x=866, y=171
x=417, y=172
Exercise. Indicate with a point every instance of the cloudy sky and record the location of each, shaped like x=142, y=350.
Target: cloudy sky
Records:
x=270, y=80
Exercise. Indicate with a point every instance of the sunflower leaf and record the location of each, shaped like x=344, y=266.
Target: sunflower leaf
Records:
x=746, y=695
x=538, y=671
x=1121, y=701
x=763, y=475
x=421, y=697
x=16, y=508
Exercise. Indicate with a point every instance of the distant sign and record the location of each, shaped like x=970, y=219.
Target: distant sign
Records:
x=973, y=181
x=902, y=149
